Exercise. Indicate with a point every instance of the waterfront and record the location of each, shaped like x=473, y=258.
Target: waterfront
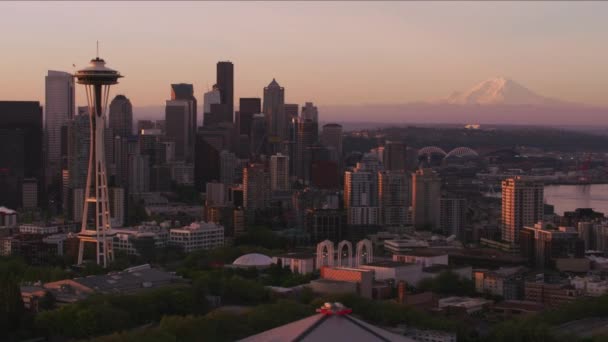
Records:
x=570, y=197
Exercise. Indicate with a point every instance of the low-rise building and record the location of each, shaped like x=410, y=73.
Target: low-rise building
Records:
x=130, y=281
x=468, y=305
x=550, y=294
x=298, y=263
x=429, y=335
x=336, y=280
x=590, y=285
x=39, y=229
x=198, y=235
x=425, y=257
x=8, y=218
x=394, y=271
x=506, y=282
x=401, y=246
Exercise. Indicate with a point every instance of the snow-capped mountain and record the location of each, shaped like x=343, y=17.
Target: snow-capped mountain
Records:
x=499, y=91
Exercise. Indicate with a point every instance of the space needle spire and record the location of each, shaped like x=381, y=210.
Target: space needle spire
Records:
x=97, y=79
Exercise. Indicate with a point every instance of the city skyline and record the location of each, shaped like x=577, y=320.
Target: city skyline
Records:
x=543, y=46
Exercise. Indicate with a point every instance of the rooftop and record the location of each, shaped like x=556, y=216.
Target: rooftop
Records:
x=332, y=323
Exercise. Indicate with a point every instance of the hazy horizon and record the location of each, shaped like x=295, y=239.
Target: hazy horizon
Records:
x=336, y=54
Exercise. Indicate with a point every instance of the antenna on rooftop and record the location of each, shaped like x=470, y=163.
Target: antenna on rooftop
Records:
x=98, y=49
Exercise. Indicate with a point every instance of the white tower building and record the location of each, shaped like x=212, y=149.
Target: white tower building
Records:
x=97, y=79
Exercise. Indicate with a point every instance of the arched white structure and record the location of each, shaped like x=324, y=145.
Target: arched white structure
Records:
x=365, y=252
x=428, y=150
x=462, y=152
x=348, y=254
x=325, y=254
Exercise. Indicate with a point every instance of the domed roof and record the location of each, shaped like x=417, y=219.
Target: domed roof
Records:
x=253, y=260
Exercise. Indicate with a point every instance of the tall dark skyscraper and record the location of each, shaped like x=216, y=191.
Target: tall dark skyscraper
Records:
x=394, y=156
x=184, y=91
x=306, y=135
x=225, y=83
x=291, y=111
x=247, y=108
x=121, y=116
x=274, y=109
x=20, y=148
x=180, y=119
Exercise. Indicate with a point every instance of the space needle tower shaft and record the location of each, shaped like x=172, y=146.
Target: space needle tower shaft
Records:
x=97, y=230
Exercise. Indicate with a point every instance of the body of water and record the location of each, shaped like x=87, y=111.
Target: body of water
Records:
x=570, y=197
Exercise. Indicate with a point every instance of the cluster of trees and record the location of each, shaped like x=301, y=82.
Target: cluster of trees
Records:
x=448, y=283
x=217, y=325
x=541, y=327
x=103, y=314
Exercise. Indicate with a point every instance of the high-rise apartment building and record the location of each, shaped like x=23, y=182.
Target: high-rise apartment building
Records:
x=394, y=156
x=426, y=194
x=279, y=172
x=59, y=110
x=121, y=116
x=361, y=193
x=394, y=197
x=256, y=187
x=522, y=205
x=543, y=245
x=274, y=110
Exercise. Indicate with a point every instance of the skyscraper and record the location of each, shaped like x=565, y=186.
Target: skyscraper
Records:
x=279, y=172
x=185, y=92
x=394, y=156
x=20, y=149
x=247, y=108
x=522, y=205
x=331, y=137
x=178, y=115
x=426, y=194
x=210, y=98
x=291, y=111
x=121, y=116
x=306, y=136
x=259, y=136
x=310, y=112
x=274, y=109
x=59, y=110
x=225, y=83
x=210, y=142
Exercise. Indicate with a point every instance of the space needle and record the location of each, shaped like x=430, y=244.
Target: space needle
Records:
x=97, y=79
